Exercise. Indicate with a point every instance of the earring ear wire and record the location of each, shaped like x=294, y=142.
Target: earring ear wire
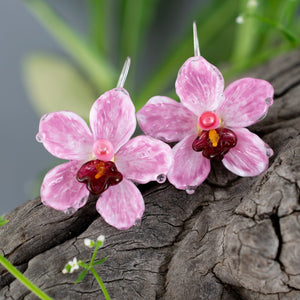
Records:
x=124, y=73
x=196, y=41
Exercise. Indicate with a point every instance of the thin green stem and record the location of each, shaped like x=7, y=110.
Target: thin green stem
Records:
x=100, y=16
x=133, y=16
x=14, y=271
x=136, y=18
x=246, y=36
x=100, y=283
x=94, y=255
x=101, y=73
x=97, y=17
x=288, y=34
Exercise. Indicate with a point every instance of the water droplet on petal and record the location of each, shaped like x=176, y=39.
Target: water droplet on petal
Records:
x=269, y=101
x=83, y=201
x=269, y=150
x=161, y=178
x=70, y=211
x=262, y=117
x=190, y=190
x=39, y=137
x=138, y=222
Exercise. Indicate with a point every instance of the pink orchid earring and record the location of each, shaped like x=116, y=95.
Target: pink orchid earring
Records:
x=209, y=122
x=103, y=160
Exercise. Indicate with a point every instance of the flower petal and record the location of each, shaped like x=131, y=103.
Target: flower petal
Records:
x=250, y=156
x=143, y=159
x=199, y=85
x=247, y=100
x=112, y=117
x=66, y=135
x=166, y=119
x=121, y=205
x=190, y=168
x=60, y=189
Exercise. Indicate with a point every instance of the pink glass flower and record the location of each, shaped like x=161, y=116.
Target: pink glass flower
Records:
x=209, y=123
x=103, y=160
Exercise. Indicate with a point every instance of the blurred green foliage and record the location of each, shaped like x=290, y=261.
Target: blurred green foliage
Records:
x=54, y=83
x=121, y=28
x=2, y=220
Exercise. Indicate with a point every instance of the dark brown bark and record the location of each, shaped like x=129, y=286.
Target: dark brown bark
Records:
x=235, y=238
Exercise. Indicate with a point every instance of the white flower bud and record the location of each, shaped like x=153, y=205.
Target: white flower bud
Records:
x=89, y=243
x=252, y=4
x=239, y=20
x=101, y=238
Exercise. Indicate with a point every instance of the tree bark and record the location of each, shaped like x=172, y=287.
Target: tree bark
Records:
x=235, y=238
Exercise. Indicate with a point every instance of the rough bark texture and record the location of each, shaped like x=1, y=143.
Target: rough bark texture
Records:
x=235, y=238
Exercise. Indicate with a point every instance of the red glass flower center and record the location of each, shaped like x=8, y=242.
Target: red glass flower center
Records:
x=215, y=143
x=99, y=175
x=208, y=120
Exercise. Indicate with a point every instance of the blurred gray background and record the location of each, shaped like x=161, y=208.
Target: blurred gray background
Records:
x=22, y=159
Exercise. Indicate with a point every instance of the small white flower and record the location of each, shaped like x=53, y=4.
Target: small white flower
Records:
x=101, y=238
x=89, y=243
x=252, y=4
x=240, y=19
x=73, y=264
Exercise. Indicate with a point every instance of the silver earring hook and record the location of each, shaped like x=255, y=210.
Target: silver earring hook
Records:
x=124, y=73
x=196, y=42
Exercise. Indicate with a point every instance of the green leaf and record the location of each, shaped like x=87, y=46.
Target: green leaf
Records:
x=135, y=20
x=98, y=262
x=289, y=12
x=2, y=221
x=287, y=34
x=137, y=16
x=81, y=276
x=100, y=16
x=98, y=68
x=68, y=268
x=54, y=84
x=246, y=35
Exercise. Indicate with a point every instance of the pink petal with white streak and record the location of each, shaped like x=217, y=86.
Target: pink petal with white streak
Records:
x=166, y=119
x=190, y=168
x=199, y=85
x=121, y=205
x=66, y=135
x=246, y=101
x=112, y=117
x=60, y=189
x=144, y=159
x=250, y=156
